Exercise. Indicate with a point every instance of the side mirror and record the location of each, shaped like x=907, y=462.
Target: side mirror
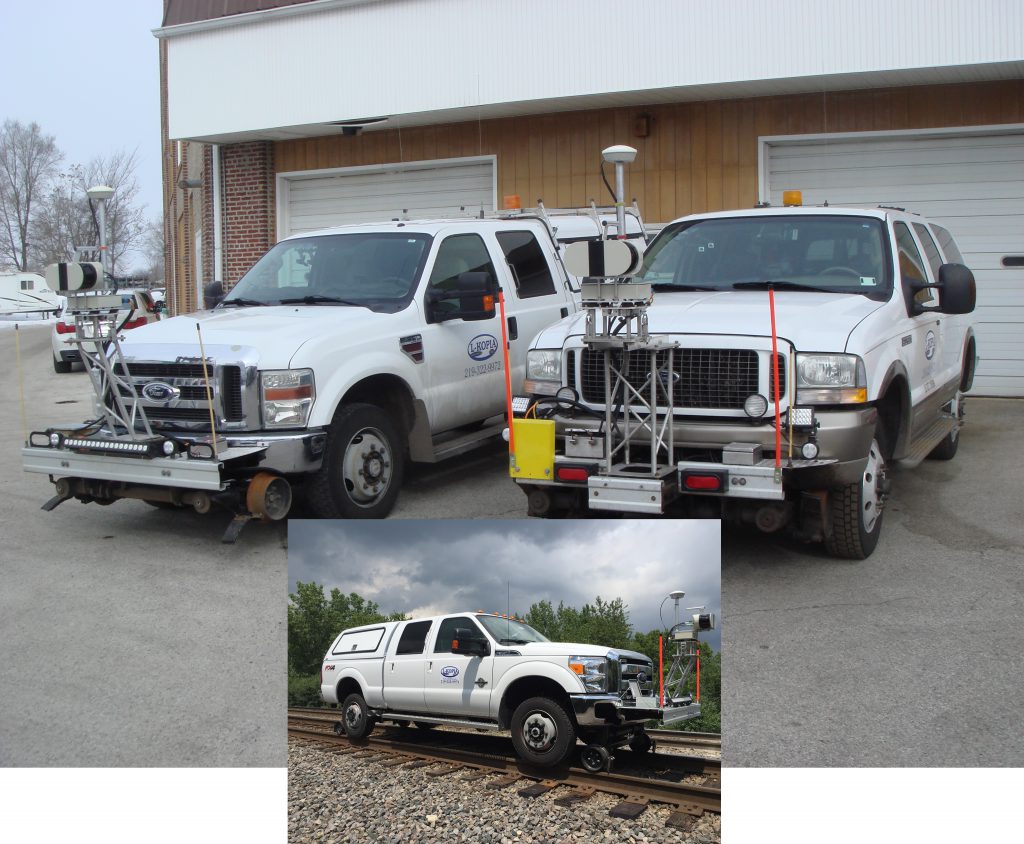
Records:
x=213, y=292
x=469, y=643
x=476, y=295
x=958, y=292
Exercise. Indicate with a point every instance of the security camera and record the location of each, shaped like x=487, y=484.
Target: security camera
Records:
x=619, y=154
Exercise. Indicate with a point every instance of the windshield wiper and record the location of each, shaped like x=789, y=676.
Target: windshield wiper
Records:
x=779, y=285
x=322, y=300
x=241, y=302
x=669, y=286
x=513, y=641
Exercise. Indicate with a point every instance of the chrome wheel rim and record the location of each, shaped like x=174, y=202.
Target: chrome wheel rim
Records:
x=539, y=731
x=353, y=716
x=872, y=499
x=366, y=467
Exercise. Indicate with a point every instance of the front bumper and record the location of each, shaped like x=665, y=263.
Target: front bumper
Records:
x=599, y=710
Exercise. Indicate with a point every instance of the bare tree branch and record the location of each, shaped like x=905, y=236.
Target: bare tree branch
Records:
x=28, y=164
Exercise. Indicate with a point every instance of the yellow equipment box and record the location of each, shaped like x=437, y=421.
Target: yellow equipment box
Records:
x=535, y=449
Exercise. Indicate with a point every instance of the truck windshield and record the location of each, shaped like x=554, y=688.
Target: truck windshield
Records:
x=377, y=270
x=834, y=254
x=509, y=632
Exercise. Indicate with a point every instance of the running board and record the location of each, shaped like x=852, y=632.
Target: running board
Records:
x=926, y=441
x=445, y=448
x=433, y=719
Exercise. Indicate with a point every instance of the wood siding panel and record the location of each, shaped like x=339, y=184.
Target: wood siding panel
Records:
x=698, y=156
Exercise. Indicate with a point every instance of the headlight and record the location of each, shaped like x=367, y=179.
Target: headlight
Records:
x=592, y=671
x=830, y=379
x=287, y=396
x=543, y=371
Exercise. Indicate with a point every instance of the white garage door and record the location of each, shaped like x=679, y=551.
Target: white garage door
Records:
x=971, y=183
x=322, y=198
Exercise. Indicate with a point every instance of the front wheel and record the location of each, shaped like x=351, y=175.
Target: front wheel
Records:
x=356, y=720
x=542, y=732
x=856, y=510
x=363, y=464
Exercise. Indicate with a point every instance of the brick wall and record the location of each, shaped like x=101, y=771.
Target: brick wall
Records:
x=247, y=173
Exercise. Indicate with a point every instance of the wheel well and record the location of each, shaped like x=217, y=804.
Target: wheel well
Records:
x=528, y=687
x=893, y=418
x=388, y=392
x=348, y=686
x=970, y=364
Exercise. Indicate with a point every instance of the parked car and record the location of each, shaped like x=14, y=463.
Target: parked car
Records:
x=137, y=309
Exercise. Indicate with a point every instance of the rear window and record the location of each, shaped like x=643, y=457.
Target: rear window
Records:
x=528, y=264
x=414, y=638
x=948, y=245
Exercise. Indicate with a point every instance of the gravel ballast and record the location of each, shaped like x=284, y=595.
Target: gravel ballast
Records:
x=335, y=798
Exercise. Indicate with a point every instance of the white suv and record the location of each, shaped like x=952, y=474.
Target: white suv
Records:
x=65, y=353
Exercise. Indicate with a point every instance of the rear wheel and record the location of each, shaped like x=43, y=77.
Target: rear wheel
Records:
x=61, y=366
x=356, y=719
x=362, y=467
x=856, y=510
x=542, y=732
x=641, y=743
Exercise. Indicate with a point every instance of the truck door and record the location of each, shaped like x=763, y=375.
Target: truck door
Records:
x=457, y=684
x=404, y=666
x=465, y=365
x=537, y=299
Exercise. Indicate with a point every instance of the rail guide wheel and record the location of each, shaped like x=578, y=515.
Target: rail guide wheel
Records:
x=595, y=758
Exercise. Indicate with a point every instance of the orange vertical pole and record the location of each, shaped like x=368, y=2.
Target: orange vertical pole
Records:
x=698, y=675
x=775, y=372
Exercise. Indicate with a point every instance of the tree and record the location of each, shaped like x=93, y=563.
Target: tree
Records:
x=153, y=250
x=28, y=163
x=314, y=620
x=64, y=221
x=603, y=622
x=126, y=223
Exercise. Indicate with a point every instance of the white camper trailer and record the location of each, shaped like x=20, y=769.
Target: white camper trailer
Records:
x=26, y=293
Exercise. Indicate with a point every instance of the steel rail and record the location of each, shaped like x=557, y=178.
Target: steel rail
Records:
x=681, y=795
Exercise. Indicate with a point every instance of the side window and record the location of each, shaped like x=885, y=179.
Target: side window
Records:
x=460, y=253
x=414, y=638
x=446, y=632
x=931, y=251
x=529, y=266
x=911, y=262
x=949, y=247
x=26, y=284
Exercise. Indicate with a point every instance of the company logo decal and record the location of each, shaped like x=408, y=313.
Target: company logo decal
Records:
x=482, y=347
x=449, y=671
x=158, y=391
x=929, y=345
x=328, y=668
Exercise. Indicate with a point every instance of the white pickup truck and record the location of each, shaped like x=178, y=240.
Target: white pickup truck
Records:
x=339, y=356
x=873, y=362
x=494, y=672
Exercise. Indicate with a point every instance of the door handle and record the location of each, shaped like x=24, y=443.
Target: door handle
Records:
x=481, y=682
x=513, y=328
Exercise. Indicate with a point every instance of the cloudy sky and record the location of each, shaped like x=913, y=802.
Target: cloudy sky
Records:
x=88, y=73
x=431, y=567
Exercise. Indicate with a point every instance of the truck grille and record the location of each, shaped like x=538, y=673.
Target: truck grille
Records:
x=705, y=378
x=192, y=404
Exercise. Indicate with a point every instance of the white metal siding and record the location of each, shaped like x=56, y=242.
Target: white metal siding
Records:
x=317, y=200
x=408, y=57
x=973, y=184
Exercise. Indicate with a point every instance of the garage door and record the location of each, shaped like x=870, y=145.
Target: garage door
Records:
x=971, y=183
x=323, y=198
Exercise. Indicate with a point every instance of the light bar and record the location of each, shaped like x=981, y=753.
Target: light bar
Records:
x=149, y=448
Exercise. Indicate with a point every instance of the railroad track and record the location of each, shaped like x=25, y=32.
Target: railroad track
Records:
x=687, y=801
x=711, y=741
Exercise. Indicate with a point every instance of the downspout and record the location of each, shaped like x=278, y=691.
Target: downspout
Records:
x=218, y=252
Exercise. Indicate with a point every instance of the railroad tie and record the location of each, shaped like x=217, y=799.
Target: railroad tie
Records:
x=538, y=788
x=476, y=775
x=440, y=772
x=630, y=808
x=395, y=761
x=422, y=763
x=577, y=795
x=503, y=782
x=684, y=816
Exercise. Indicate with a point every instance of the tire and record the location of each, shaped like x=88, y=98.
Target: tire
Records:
x=946, y=449
x=61, y=366
x=641, y=743
x=362, y=442
x=857, y=510
x=356, y=719
x=595, y=758
x=543, y=733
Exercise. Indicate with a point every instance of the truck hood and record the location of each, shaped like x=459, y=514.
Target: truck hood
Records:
x=276, y=332
x=568, y=649
x=811, y=321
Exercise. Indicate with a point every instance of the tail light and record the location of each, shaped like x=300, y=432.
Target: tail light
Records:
x=703, y=481
x=573, y=474
x=65, y=328
x=135, y=323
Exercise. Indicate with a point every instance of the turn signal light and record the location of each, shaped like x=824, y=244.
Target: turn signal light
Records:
x=135, y=323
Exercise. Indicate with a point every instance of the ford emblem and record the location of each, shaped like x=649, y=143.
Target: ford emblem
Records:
x=449, y=671
x=158, y=391
x=482, y=347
